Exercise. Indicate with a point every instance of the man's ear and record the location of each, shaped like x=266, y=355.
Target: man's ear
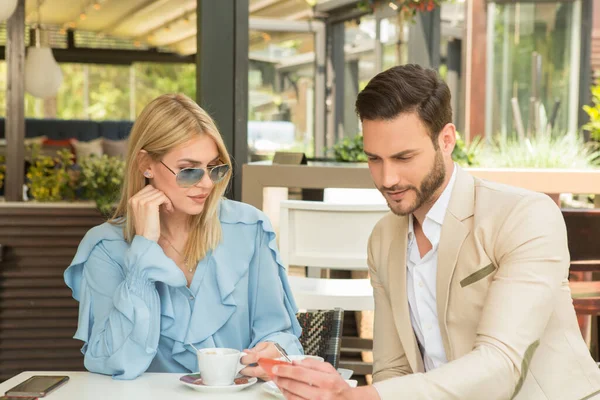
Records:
x=447, y=138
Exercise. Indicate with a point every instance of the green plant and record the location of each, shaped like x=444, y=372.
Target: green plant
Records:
x=467, y=155
x=350, y=150
x=409, y=7
x=101, y=179
x=52, y=178
x=2, y=170
x=566, y=151
x=593, y=111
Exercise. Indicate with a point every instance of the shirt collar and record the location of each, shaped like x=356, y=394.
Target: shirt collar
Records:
x=438, y=211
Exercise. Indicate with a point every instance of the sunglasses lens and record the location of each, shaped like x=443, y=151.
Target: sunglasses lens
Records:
x=189, y=176
x=218, y=173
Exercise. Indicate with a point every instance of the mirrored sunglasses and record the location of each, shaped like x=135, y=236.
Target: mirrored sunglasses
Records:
x=188, y=177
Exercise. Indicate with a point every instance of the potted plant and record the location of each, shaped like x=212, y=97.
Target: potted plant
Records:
x=101, y=179
x=52, y=178
x=351, y=150
x=568, y=151
x=2, y=173
x=593, y=112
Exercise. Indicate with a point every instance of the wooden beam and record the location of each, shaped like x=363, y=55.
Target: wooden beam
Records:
x=15, y=104
x=34, y=11
x=304, y=14
x=474, y=75
x=335, y=6
x=186, y=13
x=173, y=44
x=133, y=13
x=261, y=5
x=83, y=55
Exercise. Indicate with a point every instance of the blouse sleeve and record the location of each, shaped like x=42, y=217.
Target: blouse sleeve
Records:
x=272, y=306
x=119, y=312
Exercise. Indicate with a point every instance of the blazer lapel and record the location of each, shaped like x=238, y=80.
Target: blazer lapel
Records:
x=398, y=297
x=454, y=233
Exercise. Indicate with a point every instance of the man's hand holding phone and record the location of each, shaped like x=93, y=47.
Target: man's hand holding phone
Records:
x=312, y=379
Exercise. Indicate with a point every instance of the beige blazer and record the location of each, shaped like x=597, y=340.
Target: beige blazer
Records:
x=503, y=301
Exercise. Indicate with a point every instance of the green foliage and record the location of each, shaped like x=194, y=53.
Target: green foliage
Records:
x=593, y=111
x=466, y=155
x=2, y=170
x=109, y=90
x=58, y=178
x=101, y=179
x=350, y=150
x=410, y=7
x=52, y=178
x=566, y=151
x=153, y=80
x=512, y=68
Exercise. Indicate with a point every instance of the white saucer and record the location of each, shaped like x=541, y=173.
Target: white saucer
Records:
x=200, y=387
x=300, y=358
x=273, y=390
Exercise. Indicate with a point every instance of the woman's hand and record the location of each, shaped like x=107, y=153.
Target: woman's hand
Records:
x=144, y=206
x=262, y=350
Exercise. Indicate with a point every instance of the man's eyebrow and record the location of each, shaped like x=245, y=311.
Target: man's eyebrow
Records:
x=403, y=153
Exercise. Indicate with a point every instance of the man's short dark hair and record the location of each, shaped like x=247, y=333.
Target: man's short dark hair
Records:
x=405, y=89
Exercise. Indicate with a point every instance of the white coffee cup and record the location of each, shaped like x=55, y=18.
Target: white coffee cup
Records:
x=219, y=367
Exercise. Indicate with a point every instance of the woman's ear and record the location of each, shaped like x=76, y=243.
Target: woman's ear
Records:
x=144, y=163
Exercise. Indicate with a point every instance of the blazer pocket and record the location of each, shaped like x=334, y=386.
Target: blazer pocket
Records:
x=477, y=275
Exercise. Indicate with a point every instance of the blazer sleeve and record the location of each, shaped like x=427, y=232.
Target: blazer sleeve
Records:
x=533, y=262
x=389, y=358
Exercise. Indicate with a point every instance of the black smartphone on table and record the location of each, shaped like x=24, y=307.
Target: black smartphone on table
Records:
x=37, y=386
x=17, y=398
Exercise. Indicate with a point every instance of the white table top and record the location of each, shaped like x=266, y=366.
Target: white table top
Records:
x=89, y=386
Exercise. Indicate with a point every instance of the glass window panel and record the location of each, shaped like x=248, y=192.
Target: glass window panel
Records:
x=281, y=93
x=528, y=35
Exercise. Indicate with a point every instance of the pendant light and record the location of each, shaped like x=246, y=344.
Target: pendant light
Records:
x=43, y=75
x=7, y=8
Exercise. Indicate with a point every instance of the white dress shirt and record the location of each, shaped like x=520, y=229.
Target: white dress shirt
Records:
x=421, y=282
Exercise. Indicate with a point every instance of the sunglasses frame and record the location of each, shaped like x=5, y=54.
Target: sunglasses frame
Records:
x=206, y=170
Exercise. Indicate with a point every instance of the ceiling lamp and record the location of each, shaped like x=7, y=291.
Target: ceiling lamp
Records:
x=7, y=8
x=43, y=75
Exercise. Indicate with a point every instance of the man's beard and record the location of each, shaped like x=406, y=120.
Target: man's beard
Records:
x=429, y=185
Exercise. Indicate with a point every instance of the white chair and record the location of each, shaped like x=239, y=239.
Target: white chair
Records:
x=353, y=196
x=333, y=236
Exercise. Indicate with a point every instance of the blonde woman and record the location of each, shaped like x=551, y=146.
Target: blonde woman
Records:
x=178, y=265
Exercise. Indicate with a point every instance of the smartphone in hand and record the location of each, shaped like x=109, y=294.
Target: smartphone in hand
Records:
x=267, y=365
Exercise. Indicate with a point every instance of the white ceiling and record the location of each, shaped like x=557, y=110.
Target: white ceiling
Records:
x=164, y=23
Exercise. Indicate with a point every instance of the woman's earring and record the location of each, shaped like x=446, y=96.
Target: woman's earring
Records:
x=147, y=174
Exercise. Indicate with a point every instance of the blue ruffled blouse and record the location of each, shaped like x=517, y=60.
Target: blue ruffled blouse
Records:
x=136, y=313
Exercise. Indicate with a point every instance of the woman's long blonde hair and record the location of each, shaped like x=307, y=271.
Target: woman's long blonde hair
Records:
x=167, y=122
